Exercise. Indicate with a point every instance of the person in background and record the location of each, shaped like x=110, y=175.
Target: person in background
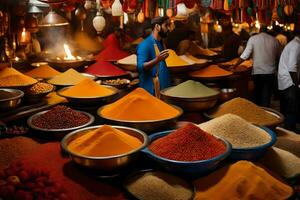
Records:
x=265, y=51
x=185, y=45
x=118, y=38
x=288, y=70
x=148, y=61
x=282, y=39
x=232, y=42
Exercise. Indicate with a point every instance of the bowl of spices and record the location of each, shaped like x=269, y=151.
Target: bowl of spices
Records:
x=249, y=142
x=59, y=121
x=38, y=91
x=104, y=148
x=157, y=185
x=10, y=98
x=191, y=96
x=187, y=151
x=118, y=83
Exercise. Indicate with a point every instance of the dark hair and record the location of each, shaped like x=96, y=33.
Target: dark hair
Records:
x=158, y=20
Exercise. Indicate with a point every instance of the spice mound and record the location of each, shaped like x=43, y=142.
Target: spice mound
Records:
x=240, y=133
x=104, y=68
x=242, y=107
x=174, y=60
x=10, y=77
x=129, y=60
x=139, y=105
x=87, y=88
x=69, y=77
x=211, y=72
x=104, y=141
x=39, y=88
x=44, y=71
x=60, y=117
x=242, y=180
x=191, y=89
x=159, y=186
x=188, y=143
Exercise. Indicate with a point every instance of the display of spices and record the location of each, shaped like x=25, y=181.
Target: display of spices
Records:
x=191, y=59
x=288, y=140
x=104, y=141
x=103, y=68
x=117, y=81
x=129, y=60
x=210, y=72
x=173, y=60
x=188, y=143
x=246, y=63
x=6, y=94
x=282, y=162
x=139, y=105
x=87, y=88
x=8, y=71
x=191, y=89
x=60, y=117
x=237, y=131
x=43, y=71
x=111, y=53
x=13, y=130
x=159, y=186
x=20, y=183
x=39, y=88
x=14, y=148
x=69, y=77
x=242, y=107
x=241, y=180
x=10, y=77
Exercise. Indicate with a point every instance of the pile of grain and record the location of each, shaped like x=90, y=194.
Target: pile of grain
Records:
x=247, y=110
x=237, y=131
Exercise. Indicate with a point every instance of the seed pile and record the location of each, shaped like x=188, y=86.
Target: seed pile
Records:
x=159, y=186
x=39, y=88
x=240, y=133
x=247, y=110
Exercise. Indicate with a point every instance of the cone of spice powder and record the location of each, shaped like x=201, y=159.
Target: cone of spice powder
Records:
x=104, y=68
x=211, y=72
x=69, y=77
x=11, y=77
x=129, y=60
x=173, y=60
x=44, y=71
x=111, y=53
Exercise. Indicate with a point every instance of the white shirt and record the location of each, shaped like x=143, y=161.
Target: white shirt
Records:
x=265, y=49
x=289, y=62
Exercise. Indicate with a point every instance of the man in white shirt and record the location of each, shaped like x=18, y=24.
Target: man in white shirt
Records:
x=265, y=51
x=288, y=71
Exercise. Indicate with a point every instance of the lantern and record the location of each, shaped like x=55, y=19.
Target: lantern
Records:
x=169, y=12
x=116, y=8
x=24, y=37
x=288, y=10
x=99, y=22
x=181, y=10
x=141, y=17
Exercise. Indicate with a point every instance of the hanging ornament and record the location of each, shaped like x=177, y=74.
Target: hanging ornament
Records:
x=99, y=22
x=181, y=10
x=169, y=12
x=116, y=8
x=141, y=17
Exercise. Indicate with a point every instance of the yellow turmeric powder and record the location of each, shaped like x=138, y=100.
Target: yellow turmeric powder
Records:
x=242, y=180
x=174, y=60
x=137, y=106
x=210, y=72
x=69, y=77
x=104, y=141
x=11, y=77
x=8, y=71
x=44, y=71
x=87, y=88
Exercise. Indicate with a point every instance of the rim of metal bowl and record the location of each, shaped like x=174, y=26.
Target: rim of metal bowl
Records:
x=162, y=92
x=86, y=75
x=142, y=121
x=115, y=90
x=20, y=94
x=31, y=125
x=65, y=147
x=158, y=135
x=263, y=146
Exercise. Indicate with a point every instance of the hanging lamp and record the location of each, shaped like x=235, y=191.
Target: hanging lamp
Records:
x=99, y=22
x=116, y=8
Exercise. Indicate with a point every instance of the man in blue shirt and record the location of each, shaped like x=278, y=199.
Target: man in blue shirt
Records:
x=148, y=60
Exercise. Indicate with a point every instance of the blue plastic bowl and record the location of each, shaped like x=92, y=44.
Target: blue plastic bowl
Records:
x=253, y=153
x=190, y=169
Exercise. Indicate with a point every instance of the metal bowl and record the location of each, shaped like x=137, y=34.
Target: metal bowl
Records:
x=57, y=133
x=227, y=94
x=187, y=168
x=145, y=125
x=190, y=104
x=34, y=98
x=108, y=163
x=88, y=101
x=13, y=101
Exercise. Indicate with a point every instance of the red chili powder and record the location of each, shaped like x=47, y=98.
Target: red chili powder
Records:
x=111, y=53
x=188, y=143
x=103, y=68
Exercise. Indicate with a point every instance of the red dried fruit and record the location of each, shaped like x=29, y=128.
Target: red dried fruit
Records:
x=7, y=191
x=23, y=175
x=14, y=180
x=23, y=195
x=40, y=184
x=37, y=191
x=2, y=182
x=49, y=182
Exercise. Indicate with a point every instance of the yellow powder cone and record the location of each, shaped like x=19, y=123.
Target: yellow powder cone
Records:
x=139, y=105
x=129, y=60
x=87, y=88
x=8, y=71
x=69, y=77
x=104, y=141
x=44, y=71
x=211, y=71
x=174, y=60
x=11, y=77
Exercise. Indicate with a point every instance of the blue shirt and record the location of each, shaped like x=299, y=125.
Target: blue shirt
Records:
x=145, y=53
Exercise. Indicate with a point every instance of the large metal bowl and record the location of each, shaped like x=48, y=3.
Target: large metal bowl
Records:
x=109, y=163
x=13, y=101
x=148, y=126
x=88, y=101
x=56, y=133
x=64, y=65
x=190, y=104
